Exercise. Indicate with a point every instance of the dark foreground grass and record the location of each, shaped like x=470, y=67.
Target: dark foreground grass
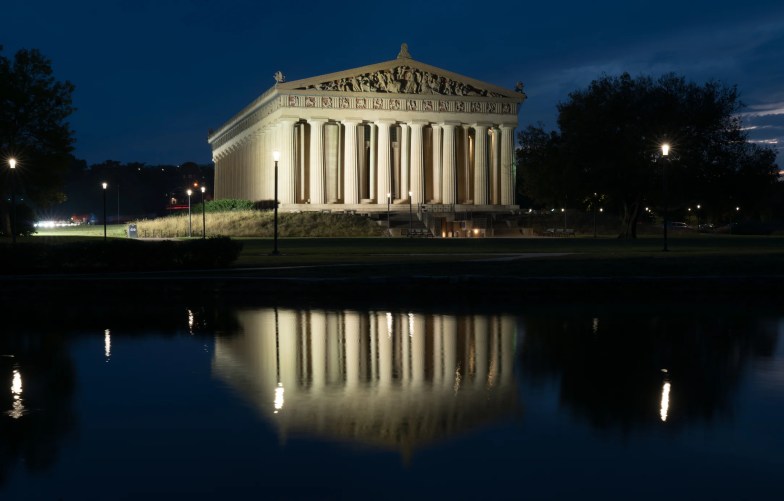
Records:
x=432, y=269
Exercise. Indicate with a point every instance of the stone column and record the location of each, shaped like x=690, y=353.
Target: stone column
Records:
x=317, y=160
x=405, y=187
x=508, y=180
x=436, y=162
x=495, y=168
x=384, y=164
x=373, y=162
x=350, y=162
x=480, y=164
x=287, y=177
x=331, y=161
x=417, y=163
x=449, y=162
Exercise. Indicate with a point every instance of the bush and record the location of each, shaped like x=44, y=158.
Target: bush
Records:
x=226, y=205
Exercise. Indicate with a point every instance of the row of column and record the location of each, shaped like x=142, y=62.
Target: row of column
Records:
x=325, y=162
x=316, y=349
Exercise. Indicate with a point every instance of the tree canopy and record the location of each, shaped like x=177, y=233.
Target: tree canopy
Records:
x=34, y=108
x=610, y=143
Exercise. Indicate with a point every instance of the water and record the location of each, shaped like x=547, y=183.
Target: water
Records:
x=204, y=402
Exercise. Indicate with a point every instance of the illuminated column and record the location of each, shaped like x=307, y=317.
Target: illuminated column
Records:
x=417, y=163
x=384, y=350
x=372, y=172
x=495, y=166
x=351, y=173
x=418, y=354
x=317, y=160
x=318, y=353
x=467, y=181
x=286, y=167
x=508, y=336
x=438, y=350
x=449, y=156
x=450, y=349
x=331, y=161
x=507, y=166
x=287, y=345
x=436, y=162
x=352, y=348
x=384, y=165
x=480, y=165
x=405, y=187
x=334, y=356
x=408, y=328
x=480, y=348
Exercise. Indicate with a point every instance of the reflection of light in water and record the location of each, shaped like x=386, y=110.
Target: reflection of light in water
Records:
x=190, y=321
x=595, y=325
x=410, y=325
x=16, y=390
x=389, y=325
x=665, y=401
x=458, y=379
x=107, y=343
x=278, y=397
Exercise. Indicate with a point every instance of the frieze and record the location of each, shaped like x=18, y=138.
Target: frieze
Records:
x=402, y=80
x=395, y=104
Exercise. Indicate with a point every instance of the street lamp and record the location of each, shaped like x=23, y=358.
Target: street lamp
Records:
x=189, y=192
x=665, y=154
x=389, y=200
x=104, y=184
x=734, y=219
x=275, y=252
x=12, y=165
x=410, y=214
x=203, y=215
x=697, y=214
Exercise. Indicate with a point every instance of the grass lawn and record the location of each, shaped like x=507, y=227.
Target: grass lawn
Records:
x=689, y=255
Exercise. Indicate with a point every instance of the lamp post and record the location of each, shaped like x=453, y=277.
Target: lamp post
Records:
x=203, y=215
x=105, y=185
x=190, y=227
x=665, y=155
x=275, y=252
x=389, y=200
x=12, y=165
x=410, y=214
x=697, y=215
x=734, y=218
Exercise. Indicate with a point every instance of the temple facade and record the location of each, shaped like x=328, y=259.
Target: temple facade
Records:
x=394, y=133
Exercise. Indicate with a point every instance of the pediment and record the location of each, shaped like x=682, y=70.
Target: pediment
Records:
x=401, y=76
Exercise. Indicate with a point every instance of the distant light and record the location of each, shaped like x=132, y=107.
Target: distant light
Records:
x=276, y=155
x=665, y=401
x=203, y=189
x=107, y=343
x=601, y=209
x=12, y=163
x=104, y=184
x=278, y=397
x=189, y=192
x=737, y=209
x=562, y=209
x=665, y=149
x=699, y=206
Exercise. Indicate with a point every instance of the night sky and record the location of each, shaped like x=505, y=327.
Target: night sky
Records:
x=153, y=76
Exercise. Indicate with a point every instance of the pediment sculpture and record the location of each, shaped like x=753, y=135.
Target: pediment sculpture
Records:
x=402, y=80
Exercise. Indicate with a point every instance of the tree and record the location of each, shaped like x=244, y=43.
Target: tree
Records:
x=610, y=138
x=34, y=107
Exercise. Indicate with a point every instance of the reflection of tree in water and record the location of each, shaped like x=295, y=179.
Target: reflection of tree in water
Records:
x=611, y=371
x=36, y=374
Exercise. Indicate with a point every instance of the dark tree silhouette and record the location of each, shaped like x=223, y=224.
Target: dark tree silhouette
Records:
x=34, y=107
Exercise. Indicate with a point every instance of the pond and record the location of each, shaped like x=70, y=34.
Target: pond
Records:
x=204, y=400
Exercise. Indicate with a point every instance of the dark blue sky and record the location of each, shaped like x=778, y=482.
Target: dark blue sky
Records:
x=152, y=76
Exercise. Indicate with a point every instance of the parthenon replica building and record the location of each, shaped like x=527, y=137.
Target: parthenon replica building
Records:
x=399, y=132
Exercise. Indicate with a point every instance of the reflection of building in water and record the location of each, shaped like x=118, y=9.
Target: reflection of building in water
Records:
x=395, y=380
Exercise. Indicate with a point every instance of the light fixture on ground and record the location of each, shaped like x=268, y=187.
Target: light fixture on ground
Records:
x=665, y=148
x=203, y=215
x=12, y=165
x=104, y=185
x=190, y=227
x=275, y=252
